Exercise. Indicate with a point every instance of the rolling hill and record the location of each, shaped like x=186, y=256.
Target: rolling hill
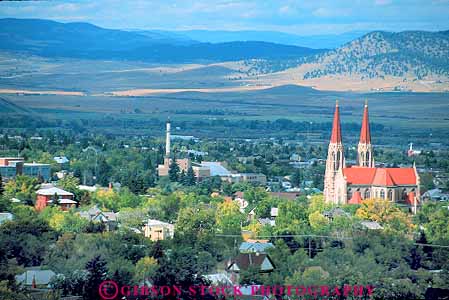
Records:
x=378, y=54
x=377, y=61
x=83, y=40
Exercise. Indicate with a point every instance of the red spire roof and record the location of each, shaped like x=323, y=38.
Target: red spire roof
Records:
x=336, y=128
x=365, y=135
x=356, y=198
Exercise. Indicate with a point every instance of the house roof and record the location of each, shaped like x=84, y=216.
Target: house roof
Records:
x=371, y=225
x=67, y=201
x=6, y=216
x=218, y=279
x=255, y=247
x=61, y=159
x=95, y=214
x=53, y=190
x=246, y=260
x=335, y=212
x=216, y=168
x=380, y=176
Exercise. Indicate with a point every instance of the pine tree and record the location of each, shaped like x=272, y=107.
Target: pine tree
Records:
x=97, y=274
x=182, y=177
x=190, y=177
x=297, y=178
x=140, y=188
x=173, y=172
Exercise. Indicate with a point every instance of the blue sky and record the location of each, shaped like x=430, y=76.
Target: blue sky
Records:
x=307, y=17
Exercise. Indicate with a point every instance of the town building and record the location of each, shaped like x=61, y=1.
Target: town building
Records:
x=436, y=195
x=35, y=277
x=184, y=164
x=157, y=230
x=260, y=262
x=11, y=167
x=253, y=178
x=48, y=195
x=205, y=169
x=352, y=184
x=108, y=218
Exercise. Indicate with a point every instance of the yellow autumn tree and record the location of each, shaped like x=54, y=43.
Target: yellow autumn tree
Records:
x=146, y=268
x=228, y=217
x=386, y=213
x=318, y=222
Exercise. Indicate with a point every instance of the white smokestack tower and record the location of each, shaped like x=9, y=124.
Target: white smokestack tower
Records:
x=167, y=140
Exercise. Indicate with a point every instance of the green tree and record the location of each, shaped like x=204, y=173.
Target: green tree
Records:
x=173, y=172
x=97, y=272
x=318, y=222
x=26, y=240
x=69, y=183
x=23, y=188
x=146, y=268
x=190, y=177
x=297, y=178
x=229, y=218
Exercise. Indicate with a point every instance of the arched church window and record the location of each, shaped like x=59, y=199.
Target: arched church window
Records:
x=404, y=194
x=367, y=194
x=390, y=195
x=382, y=194
x=338, y=160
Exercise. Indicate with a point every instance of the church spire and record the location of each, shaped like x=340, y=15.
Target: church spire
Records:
x=336, y=128
x=335, y=160
x=365, y=157
x=365, y=134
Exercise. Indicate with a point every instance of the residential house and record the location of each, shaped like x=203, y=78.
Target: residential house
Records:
x=158, y=230
x=255, y=246
x=35, y=277
x=371, y=225
x=335, y=212
x=436, y=195
x=108, y=218
x=47, y=195
x=244, y=261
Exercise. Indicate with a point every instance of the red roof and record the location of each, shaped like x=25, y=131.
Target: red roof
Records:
x=336, y=128
x=380, y=176
x=365, y=134
x=355, y=199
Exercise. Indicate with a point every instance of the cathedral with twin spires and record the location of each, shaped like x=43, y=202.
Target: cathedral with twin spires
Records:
x=352, y=184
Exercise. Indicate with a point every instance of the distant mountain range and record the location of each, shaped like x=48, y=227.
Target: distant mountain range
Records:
x=311, y=41
x=375, y=61
x=84, y=40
